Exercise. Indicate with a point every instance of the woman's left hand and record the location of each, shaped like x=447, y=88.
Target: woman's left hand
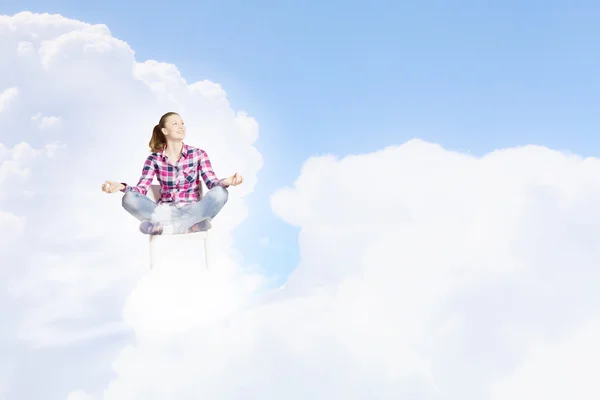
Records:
x=233, y=180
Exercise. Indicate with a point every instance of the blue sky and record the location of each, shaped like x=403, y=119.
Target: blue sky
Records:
x=353, y=77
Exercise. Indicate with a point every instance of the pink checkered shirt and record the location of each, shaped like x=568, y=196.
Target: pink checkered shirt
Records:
x=179, y=182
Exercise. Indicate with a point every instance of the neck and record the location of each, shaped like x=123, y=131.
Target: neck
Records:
x=174, y=148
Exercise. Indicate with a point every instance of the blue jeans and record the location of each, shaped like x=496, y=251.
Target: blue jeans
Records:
x=181, y=217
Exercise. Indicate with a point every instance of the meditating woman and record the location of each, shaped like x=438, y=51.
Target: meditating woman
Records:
x=178, y=168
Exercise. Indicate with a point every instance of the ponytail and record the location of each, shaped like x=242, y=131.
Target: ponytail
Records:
x=158, y=141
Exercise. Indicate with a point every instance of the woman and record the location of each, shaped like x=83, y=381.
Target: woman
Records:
x=178, y=168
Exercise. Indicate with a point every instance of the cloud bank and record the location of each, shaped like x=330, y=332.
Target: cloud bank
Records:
x=424, y=274
x=84, y=110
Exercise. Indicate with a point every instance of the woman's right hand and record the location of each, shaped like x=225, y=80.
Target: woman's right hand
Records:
x=112, y=187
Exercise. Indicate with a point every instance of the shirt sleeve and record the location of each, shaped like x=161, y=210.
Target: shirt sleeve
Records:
x=146, y=178
x=206, y=172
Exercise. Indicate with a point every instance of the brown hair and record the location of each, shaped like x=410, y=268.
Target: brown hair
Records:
x=158, y=141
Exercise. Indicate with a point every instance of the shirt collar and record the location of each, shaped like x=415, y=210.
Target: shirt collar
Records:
x=184, y=151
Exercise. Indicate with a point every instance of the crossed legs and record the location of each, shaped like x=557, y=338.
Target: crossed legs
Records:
x=191, y=217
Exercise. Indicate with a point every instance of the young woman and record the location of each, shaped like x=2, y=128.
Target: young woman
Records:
x=178, y=168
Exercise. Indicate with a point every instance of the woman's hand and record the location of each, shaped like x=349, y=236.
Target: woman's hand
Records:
x=233, y=180
x=112, y=187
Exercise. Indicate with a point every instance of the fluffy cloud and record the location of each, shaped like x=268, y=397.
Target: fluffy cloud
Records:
x=553, y=369
x=16, y=163
x=468, y=261
x=67, y=275
x=10, y=223
x=6, y=96
x=46, y=122
x=424, y=273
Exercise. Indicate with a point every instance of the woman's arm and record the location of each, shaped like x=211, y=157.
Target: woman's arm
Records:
x=206, y=171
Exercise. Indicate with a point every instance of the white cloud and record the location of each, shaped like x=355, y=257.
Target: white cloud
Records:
x=162, y=78
x=423, y=273
x=10, y=224
x=558, y=368
x=8, y=95
x=46, y=122
x=15, y=163
x=25, y=48
x=79, y=395
x=66, y=278
x=248, y=125
x=212, y=91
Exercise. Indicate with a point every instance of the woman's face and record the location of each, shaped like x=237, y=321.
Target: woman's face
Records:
x=174, y=128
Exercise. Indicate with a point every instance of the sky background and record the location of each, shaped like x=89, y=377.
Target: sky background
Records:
x=351, y=77
x=418, y=271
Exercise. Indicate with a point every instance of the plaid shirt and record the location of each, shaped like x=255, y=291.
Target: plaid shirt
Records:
x=180, y=183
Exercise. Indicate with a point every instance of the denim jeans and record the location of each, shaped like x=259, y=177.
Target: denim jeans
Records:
x=180, y=217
